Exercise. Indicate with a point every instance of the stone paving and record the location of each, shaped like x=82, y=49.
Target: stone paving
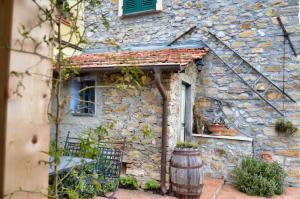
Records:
x=213, y=189
x=133, y=194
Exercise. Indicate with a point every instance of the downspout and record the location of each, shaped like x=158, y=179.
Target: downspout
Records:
x=162, y=91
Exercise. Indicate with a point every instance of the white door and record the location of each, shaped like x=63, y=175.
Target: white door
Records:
x=183, y=108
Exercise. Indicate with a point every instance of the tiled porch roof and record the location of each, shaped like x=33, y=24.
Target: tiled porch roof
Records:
x=180, y=56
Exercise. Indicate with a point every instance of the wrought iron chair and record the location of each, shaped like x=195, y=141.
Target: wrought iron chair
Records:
x=109, y=160
x=72, y=146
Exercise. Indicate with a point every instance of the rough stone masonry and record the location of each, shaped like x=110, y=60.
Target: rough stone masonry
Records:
x=250, y=27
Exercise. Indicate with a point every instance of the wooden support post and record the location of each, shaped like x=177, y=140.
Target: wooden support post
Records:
x=25, y=133
x=5, y=38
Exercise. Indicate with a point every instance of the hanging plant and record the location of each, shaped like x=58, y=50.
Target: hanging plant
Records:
x=287, y=127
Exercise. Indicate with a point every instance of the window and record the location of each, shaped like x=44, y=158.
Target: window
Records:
x=83, y=97
x=128, y=7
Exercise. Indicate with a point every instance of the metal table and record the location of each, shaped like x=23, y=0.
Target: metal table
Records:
x=69, y=162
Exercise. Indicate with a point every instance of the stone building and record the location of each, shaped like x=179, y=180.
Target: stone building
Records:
x=150, y=35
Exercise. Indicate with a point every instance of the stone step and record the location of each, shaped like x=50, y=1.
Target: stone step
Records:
x=212, y=188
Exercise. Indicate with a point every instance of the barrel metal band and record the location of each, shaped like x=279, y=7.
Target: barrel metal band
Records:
x=186, y=167
x=187, y=186
x=187, y=194
x=180, y=153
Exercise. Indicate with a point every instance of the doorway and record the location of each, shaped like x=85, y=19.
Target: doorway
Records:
x=186, y=111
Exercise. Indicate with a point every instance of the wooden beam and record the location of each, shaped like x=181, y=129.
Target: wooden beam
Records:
x=68, y=44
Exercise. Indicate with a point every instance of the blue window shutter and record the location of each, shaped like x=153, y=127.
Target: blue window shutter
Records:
x=75, y=97
x=134, y=6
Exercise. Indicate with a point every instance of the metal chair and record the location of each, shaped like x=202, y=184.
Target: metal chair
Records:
x=72, y=146
x=109, y=163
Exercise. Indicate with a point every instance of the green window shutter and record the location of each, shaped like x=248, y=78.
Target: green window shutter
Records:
x=132, y=6
x=148, y=5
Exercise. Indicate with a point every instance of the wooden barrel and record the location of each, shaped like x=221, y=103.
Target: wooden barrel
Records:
x=186, y=173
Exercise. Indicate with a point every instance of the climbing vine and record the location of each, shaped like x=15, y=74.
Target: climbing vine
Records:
x=56, y=14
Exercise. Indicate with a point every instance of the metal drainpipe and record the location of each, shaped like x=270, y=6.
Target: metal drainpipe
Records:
x=157, y=75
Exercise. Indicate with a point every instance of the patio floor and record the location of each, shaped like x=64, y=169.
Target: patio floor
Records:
x=229, y=192
x=213, y=189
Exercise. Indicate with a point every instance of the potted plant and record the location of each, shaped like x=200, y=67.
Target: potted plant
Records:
x=285, y=127
x=217, y=126
x=230, y=132
x=199, y=124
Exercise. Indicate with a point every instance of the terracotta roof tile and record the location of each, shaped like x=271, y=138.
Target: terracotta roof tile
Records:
x=180, y=56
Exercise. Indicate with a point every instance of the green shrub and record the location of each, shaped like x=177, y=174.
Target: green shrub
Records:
x=81, y=182
x=152, y=185
x=189, y=145
x=259, y=178
x=284, y=126
x=129, y=182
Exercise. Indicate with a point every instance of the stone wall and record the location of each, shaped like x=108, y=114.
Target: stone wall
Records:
x=250, y=115
x=220, y=155
x=251, y=28
x=130, y=110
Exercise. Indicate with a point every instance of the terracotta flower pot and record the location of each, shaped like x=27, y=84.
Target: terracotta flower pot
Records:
x=216, y=129
x=230, y=132
x=267, y=156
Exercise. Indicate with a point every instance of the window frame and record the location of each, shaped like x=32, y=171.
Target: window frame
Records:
x=76, y=99
x=158, y=8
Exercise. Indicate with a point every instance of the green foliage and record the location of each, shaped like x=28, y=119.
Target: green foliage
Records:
x=109, y=186
x=131, y=77
x=67, y=73
x=152, y=185
x=284, y=126
x=147, y=131
x=189, y=145
x=89, y=140
x=80, y=183
x=105, y=22
x=129, y=182
x=259, y=178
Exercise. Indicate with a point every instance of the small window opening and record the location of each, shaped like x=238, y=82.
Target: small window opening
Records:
x=83, y=97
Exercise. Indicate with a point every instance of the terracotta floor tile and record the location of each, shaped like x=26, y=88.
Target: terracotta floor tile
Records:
x=230, y=192
x=132, y=194
x=211, y=187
